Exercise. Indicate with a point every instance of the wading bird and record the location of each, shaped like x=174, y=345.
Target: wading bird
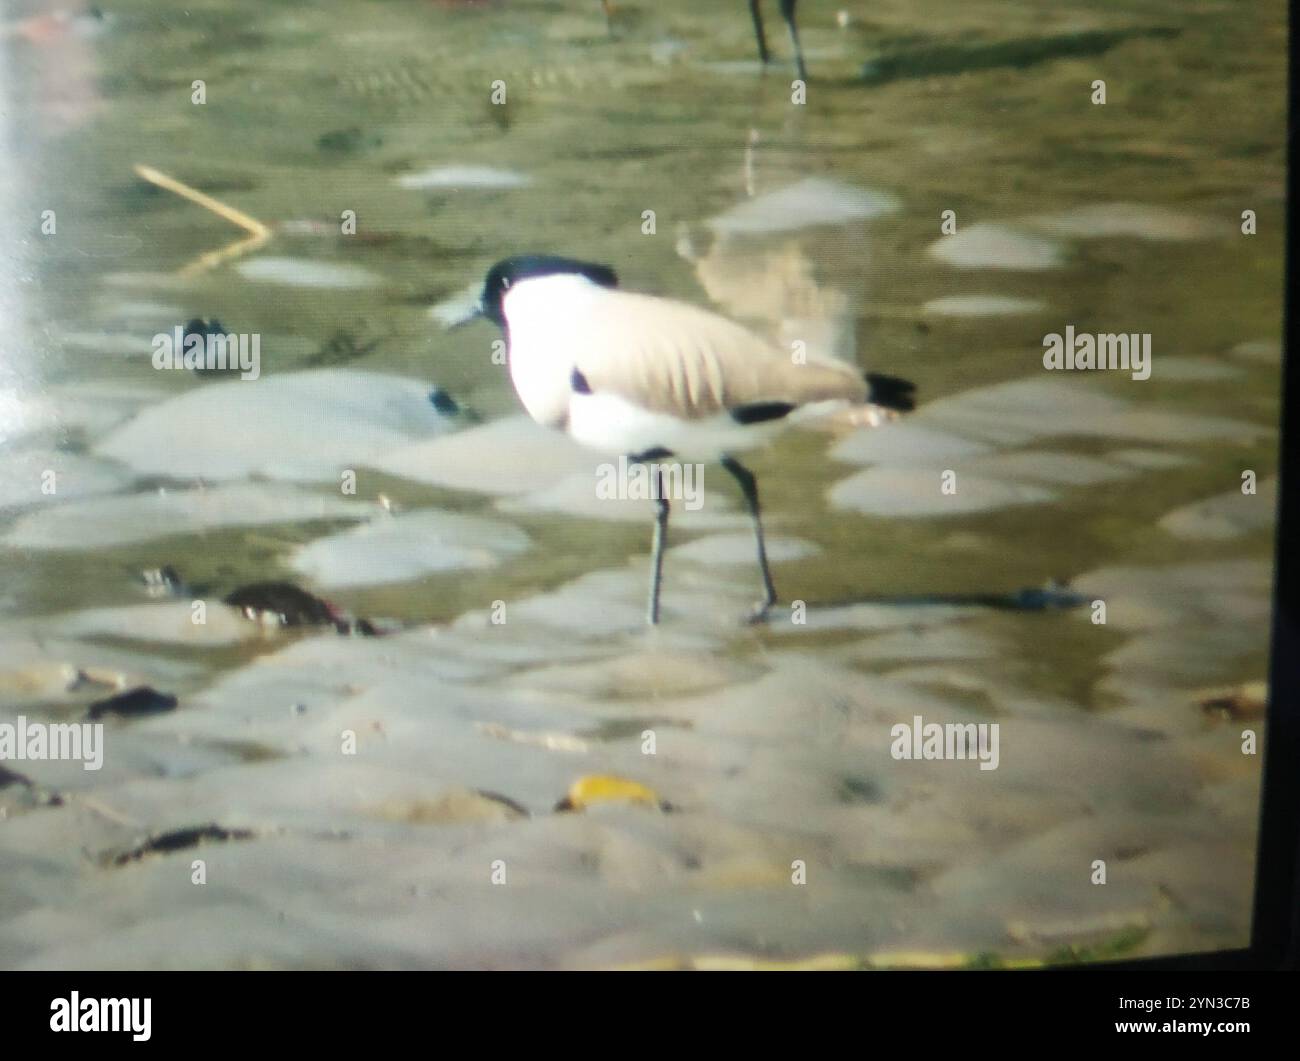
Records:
x=649, y=377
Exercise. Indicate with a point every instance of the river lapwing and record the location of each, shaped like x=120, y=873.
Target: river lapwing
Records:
x=648, y=378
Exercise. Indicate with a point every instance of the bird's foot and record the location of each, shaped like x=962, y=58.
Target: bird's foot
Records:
x=758, y=614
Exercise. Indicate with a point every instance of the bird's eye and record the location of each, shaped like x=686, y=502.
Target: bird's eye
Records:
x=505, y=283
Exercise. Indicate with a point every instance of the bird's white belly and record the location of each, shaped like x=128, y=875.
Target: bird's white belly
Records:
x=612, y=424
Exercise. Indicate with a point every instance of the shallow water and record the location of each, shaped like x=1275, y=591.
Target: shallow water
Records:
x=772, y=743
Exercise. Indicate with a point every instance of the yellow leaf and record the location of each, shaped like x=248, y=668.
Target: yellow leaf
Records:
x=603, y=788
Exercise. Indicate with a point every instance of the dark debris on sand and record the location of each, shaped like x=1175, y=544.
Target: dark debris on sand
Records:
x=178, y=840
x=134, y=703
x=284, y=604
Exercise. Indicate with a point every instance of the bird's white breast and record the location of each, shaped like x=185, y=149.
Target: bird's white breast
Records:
x=541, y=314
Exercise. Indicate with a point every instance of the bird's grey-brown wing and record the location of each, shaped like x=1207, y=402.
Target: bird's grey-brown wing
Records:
x=672, y=357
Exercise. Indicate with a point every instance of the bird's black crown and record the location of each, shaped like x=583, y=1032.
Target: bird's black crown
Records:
x=509, y=271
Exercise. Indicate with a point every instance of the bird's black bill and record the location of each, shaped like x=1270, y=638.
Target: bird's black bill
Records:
x=470, y=314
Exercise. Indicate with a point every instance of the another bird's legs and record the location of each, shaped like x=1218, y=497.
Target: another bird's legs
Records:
x=787, y=13
x=758, y=30
x=657, y=557
x=749, y=487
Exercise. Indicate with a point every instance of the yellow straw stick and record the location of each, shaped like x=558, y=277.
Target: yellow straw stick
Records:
x=259, y=233
x=231, y=251
x=236, y=217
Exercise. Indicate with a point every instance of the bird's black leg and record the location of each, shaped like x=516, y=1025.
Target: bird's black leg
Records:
x=657, y=558
x=749, y=487
x=758, y=30
x=787, y=13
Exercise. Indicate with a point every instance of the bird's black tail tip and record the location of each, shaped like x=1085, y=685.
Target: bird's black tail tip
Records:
x=890, y=392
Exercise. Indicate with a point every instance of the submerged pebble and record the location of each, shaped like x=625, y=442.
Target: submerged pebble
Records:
x=989, y=245
x=409, y=546
x=1225, y=516
x=807, y=203
x=305, y=426
x=102, y=522
x=910, y=492
x=1136, y=220
x=1065, y=469
x=463, y=177
x=1023, y=410
x=486, y=458
x=303, y=272
x=907, y=442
